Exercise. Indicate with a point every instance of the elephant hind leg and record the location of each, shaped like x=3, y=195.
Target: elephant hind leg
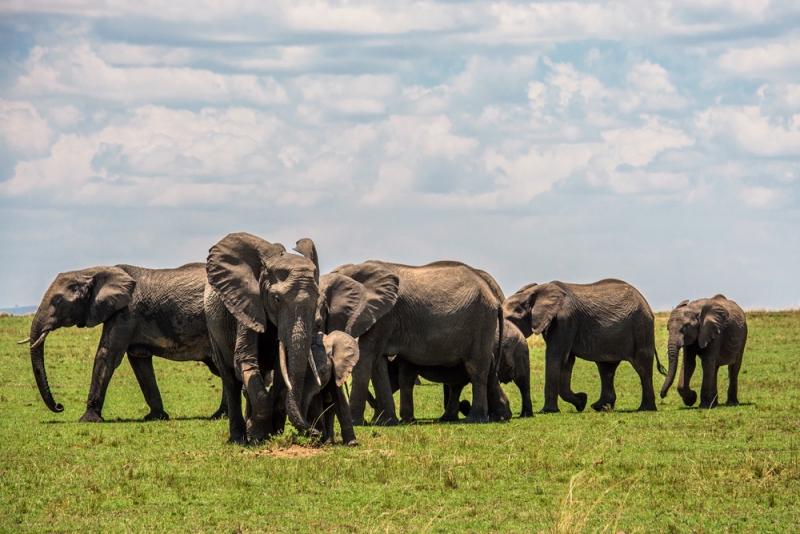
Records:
x=608, y=395
x=733, y=384
x=452, y=403
x=146, y=376
x=643, y=365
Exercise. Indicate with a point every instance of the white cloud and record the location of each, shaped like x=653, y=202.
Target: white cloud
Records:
x=22, y=129
x=571, y=83
x=78, y=70
x=758, y=197
x=65, y=116
x=427, y=135
x=752, y=131
x=771, y=60
x=650, y=88
x=347, y=94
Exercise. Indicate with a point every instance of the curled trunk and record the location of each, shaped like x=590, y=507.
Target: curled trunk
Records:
x=39, y=330
x=673, y=347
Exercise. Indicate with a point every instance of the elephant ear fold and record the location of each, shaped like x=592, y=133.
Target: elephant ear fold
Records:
x=545, y=301
x=345, y=300
x=682, y=304
x=234, y=267
x=342, y=350
x=712, y=320
x=112, y=290
x=382, y=288
x=307, y=248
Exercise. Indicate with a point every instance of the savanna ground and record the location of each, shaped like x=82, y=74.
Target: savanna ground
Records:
x=677, y=470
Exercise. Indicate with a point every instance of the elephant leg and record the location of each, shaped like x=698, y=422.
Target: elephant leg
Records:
x=232, y=391
x=478, y=372
x=643, y=364
x=222, y=411
x=608, y=395
x=110, y=352
x=245, y=358
x=522, y=379
x=277, y=395
x=407, y=378
x=687, y=370
x=499, y=407
x=383, y=394
x=370, y=345
x=143, y=370
x=708, y=390
x=565, y=385
x=733, y=384
x=342, y=410
x=453, y=403
x=555, y=354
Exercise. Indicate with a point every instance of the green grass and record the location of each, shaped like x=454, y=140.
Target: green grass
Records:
x=677, y=470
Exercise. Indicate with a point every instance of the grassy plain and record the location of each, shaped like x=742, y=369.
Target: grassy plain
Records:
x=677, y=470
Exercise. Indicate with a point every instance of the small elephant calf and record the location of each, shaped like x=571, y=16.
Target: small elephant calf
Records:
x=714, y=329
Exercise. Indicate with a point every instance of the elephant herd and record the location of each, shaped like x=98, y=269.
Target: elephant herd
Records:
x=287, y=338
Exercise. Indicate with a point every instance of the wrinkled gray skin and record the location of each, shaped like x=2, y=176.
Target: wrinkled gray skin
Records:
x=714, y=329
x=259, y=298
x=605, y=322
x=144, y=312
x=445, y=315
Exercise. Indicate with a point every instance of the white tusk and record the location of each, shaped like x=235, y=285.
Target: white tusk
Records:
x=314, y=367
x=282, y=359
x=24, y=341
x=39, y=341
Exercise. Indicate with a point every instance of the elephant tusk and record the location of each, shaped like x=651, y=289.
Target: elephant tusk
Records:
x=39, y=341
x=282, y=360
x=314, y=367
x=28, y=340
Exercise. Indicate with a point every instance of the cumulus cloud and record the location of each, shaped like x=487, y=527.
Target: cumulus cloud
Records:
x=22, y=129
x=750, y=130
x=347, y=94
x=772, y=60
x=650, y=88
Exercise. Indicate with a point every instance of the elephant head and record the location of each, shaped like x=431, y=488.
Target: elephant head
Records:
x=698, y=322
x=335, y=355
x=77, y=298
x=532, y=308
x=260, y=282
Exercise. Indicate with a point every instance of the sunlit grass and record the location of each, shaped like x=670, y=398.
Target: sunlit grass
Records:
x=677, y=470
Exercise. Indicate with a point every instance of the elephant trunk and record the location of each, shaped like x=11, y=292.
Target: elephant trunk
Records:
x=41, y=326
x=673, y=346
x=297, y=356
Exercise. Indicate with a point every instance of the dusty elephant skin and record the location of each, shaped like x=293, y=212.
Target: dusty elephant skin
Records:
x=144, y=312
x=605, y=322
x=715, y=330
x=445, y=315
x=260, y=304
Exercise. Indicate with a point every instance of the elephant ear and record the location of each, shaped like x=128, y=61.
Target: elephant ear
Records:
x=320, y=353
x=307, y=248
x=382, y=288
x=344, y=301
x=713, y=317
x=545, y=301
x=342, y=350
x=112, y=289
x=234, y=267
x=682, y=304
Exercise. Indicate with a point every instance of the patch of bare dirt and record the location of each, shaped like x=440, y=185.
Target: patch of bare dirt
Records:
x=293, y=451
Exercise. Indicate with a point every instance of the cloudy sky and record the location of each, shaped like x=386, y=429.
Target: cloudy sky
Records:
x=657, y=142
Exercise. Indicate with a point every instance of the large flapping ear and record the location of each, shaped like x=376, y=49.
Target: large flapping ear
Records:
x=344, y=301
x=342, y=349
x=382, y=287
x=306, y=247
x=544, y=301
x=713, y=316
x=112, y=289
x=234, y=268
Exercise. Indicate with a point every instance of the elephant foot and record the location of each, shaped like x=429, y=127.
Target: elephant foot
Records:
x=408, y=420
x=464, y=407
x=238, y=439
x=648, y=408
x=219, y=414
x=257, y=430
x=528, y=412
x=603, y=405
x=689, y=397
x=708, y=404
x=387, y=421
x=732, y=402
x=157, y=416
x=91, y=417
x=582, y=398
x=549, y=409
x=352, y=443
x=475, y=418
x=496, y=418
x=447, y=418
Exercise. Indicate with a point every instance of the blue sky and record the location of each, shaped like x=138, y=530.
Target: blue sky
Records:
x=656, y=142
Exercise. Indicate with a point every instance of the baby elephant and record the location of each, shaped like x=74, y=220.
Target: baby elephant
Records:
x=714, y=329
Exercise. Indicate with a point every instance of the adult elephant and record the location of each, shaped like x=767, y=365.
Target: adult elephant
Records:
x=445, y=315
x=144, y=312
x=605, y=322
x=261, y=304
x=714, y=329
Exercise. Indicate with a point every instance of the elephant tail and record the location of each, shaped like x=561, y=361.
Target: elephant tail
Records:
x=660, y=367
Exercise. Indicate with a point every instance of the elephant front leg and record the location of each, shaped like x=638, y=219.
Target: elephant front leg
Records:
x=407, y=377
x=342, y=409
x=565, y=385
x=552, y=377
x=386, y=415
x=708, y=391
x=113, y=344
x=608, y=395
x=687, y=370
x=733, y=384
x=146, y=376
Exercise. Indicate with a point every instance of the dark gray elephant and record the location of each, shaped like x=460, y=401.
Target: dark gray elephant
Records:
x=445, y=315
x=144, y=312
x=714, y=329
x=261, y=305
x=605, y=322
